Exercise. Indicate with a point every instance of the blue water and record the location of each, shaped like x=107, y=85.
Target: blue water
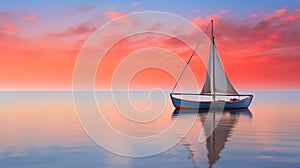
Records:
x=41, y=129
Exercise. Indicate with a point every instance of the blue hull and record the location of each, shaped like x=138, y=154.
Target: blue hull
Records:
x=180, y=103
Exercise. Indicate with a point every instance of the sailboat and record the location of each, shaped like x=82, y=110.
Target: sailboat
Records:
x=217, y=91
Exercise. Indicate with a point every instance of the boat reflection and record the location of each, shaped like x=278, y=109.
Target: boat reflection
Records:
x=216, y=138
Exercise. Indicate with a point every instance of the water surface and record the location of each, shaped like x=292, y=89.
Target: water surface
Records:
x=41, y=129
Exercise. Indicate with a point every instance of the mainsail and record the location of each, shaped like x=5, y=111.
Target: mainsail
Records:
x=221, y=85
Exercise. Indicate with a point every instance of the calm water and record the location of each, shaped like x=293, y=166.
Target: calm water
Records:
x=41, y=129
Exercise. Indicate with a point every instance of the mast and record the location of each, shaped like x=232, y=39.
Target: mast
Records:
x=213, y=60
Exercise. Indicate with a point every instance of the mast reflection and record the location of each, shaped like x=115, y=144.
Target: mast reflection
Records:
x=216, y=139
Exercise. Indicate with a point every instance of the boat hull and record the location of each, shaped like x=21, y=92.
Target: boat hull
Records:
x=181, y=103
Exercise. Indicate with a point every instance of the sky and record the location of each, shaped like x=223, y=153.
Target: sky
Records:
x=258, y=42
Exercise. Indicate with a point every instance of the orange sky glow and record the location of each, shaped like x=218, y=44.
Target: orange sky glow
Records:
x=260, y=52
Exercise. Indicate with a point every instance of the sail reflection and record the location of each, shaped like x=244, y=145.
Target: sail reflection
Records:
x=216, y=139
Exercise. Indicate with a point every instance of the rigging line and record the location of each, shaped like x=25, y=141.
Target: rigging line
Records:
x=190, y=58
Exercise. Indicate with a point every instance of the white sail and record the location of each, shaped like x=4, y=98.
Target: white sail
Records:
x=221, y=85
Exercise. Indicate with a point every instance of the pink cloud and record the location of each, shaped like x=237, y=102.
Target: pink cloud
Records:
x=263, y=48
x=277, y=14
x=253, y=15
x=294, y=15
x=9, y=28
x=284, y=14
x=201, y=21
x=113, y=14
x=261, y=34
x=83, y=28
